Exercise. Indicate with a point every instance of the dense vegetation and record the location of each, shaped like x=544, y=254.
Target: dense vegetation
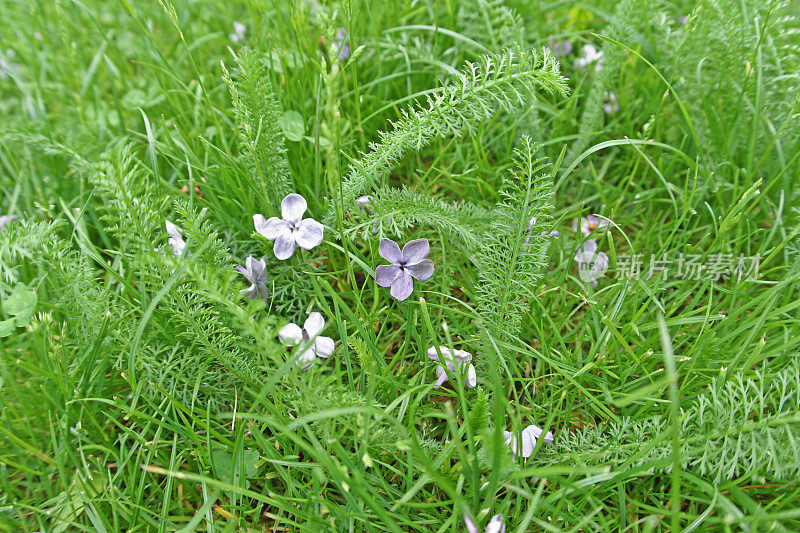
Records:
x=600, y=202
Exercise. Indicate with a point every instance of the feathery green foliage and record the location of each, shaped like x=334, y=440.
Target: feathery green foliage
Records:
x=513, y=254
x=263, y=152
x=503, y=81
x=742, y=427
x=142, y=390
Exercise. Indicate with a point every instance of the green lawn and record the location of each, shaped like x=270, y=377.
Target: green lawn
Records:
x=601, y=201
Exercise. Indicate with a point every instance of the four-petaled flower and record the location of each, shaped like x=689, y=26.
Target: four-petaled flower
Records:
x=592, y=264
x=560, y=48
x=496, y=524
x=532, y=222
x=591, y=223
x=312, y=345
x=5, y=219
x=405, y=266
x=453, y=360
x=176, y=241
x=239, y=30
x=255, y=270
x=292, y=229
x=611, y=105
x=590, y=54
x=529, y=436
x=342, y=45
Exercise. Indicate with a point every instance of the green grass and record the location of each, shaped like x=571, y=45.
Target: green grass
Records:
x=142, y=392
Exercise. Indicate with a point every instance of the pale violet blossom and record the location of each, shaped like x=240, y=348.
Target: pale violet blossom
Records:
x=611, y=105
x=529, y=437
x=342, y=44
x=312, y=344
x=560, y=48
x=176, y=241
x=365, y=204
x=589, y=55
x=290, y=230
x=453, y=361
x=592, y=265
x=239, y=31
x=405, y=266
x=496, y=524
x=590, y=224
x=531, y=223
x=255, y=270
x=5, y=219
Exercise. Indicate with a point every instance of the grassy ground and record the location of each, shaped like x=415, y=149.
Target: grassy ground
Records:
x=142, y=392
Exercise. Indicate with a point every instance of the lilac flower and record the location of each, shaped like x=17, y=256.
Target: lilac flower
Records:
x=529, y=437
x=365, y=204
x=292, y=229
x=176, y=241
x=453, y=360
x=405, y=266
x=611, y=105
x=239, y=31
x=256, y=273
x=592, y=264
x=5, y=219
x=496, y=524
x=560, y=48
x=590, y=224
x=342, y=45
x=531, y=223
x=590, y=54
x=312, y=345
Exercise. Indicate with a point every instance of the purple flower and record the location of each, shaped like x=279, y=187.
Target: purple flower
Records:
x=5, y=219
x=256, y=273
x=529, y=437
x=312, y=345
x=365, y=204
x=495, y=525
x=589, y=55
x=176, y=241
x=405, y=266
x=590, y=224
x=453, y=360
x=342, y=45
x=560, y=48
x=239, y=31
x=611, y=105
x=592, y=264
x=290, y=230
x=532, y=222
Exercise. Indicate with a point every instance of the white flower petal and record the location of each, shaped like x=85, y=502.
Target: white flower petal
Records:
x=323, y=347
x=290, y=334
x=496, y=524
x=272, y=228
x=314, y=324
x=309, y=233
x=471, y=527
x=529, y=437
x=284, y=246
x=462, y=356
x=293, y=207
x=441, y=376
x=471, y=379
x=434, y=355
x=172, y=230
x=306, y=359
